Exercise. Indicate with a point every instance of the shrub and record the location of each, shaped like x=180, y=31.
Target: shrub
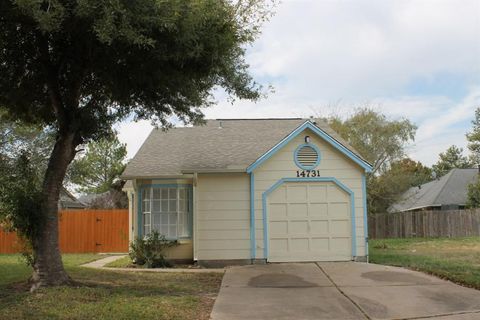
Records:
x=150, y=250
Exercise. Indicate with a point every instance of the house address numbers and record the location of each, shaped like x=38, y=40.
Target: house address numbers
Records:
x=308, y=173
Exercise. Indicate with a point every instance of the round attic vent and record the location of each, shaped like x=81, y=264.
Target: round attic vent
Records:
x=307, y=156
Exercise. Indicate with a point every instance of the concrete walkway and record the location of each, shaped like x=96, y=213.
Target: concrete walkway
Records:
x=100, y=264
x=340, y=291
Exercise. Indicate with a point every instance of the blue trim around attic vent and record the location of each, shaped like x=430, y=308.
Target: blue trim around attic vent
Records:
x=309, y=125
x=297, y=161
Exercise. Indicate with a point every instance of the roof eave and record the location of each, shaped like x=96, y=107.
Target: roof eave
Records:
x=166, y=176
x=220, y=170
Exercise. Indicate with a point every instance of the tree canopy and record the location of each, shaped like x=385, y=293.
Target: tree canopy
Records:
x=382, y=142
x=379, y=139
x=77, y=67
x=452, y=158
x=473, y=138
x=100, y=167
x=387, y=188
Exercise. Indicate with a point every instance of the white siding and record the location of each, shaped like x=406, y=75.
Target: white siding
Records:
x=333, y=164
x=222, y=216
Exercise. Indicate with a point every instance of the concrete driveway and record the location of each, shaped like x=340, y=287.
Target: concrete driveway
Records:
x=340, y=290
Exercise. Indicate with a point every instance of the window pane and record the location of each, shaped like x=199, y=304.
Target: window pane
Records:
x=181, y=206
x=156, y=193
x=164, y=230
x=147, y=230
x=172, y=231
x=156, y=205
x=180, y=220
x=146, y=218
x=145, y=194
x=164, y=206
x=164, y=193
x=172, y=206
x=146, y=206
x=186, y=225
x=172, y=218
x=156, y=218
x=163, y=218
x=172, y=193
x=181, y=193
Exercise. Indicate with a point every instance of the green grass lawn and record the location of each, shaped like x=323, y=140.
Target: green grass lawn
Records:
x=124, y=262
x=457, y=259
x=101, y=294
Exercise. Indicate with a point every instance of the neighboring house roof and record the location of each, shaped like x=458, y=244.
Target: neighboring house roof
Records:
x=450, y=189
x=90, y=197
x=68, y=200
x=221, y=145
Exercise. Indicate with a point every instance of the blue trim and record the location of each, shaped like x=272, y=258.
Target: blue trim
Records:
x=167, y=185
x=322, y=179
x=309, y=125
x=365, y=212
x=253, y=252
x=295, y=156
x=264, y=220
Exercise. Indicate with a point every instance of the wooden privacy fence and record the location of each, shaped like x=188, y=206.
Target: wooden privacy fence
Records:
x=454, y=223
x=82, y=231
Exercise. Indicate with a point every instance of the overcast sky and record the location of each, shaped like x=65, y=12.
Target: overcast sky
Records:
x=415, y=59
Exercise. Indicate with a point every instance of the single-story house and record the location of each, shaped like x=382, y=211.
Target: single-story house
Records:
x=242, y=191
x=449, y=192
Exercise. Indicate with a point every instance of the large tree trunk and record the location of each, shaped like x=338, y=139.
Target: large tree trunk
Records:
x=48, y=267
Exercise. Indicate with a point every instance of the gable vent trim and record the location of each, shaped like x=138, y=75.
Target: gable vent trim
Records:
x=307, y=156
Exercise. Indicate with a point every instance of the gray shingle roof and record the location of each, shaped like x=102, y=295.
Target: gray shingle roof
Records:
x=68, y=200
x=220, y=145
x=451, y=189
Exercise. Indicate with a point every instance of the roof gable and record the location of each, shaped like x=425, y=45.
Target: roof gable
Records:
x=319, y=132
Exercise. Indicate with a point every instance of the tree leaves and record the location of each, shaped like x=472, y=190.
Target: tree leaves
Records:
x=452, y=158
x=380, y=140
x=100, y=167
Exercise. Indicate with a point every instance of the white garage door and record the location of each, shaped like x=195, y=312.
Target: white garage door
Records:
x=309, y=222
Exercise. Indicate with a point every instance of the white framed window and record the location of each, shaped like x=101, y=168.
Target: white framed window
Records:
x=166, y=209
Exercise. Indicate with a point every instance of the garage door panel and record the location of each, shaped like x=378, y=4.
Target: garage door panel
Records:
x=336, y=194
x=297, y=209
x=321, y=244
x=296, y=194
x=299, y=244
x=279, y=245
x=341, y=227
x=309, y=222
x=317, y=192
x=340, y=245
x=278, y=211
x=339, y=210
x=318, y=209
x=298, y=227
x=319, y=227
x=278, y=228
x=279, y=195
